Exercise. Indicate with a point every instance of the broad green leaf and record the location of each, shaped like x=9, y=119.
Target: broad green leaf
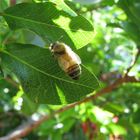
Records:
x=51, y=23
x=41, y=77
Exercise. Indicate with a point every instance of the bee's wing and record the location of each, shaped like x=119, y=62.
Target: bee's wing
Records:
x=68, y=59
x=74, y=56
x=77, y=58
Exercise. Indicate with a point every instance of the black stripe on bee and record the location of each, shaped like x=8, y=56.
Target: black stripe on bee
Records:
x=60, y=53
x=74, y=71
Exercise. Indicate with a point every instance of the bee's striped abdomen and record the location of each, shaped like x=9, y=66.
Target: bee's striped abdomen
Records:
x=74, y=71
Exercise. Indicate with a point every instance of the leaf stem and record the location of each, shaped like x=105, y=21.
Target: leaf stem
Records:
x=12, y=2
x=12, y=82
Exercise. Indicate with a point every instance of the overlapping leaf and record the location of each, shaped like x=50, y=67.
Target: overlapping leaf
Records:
x=51, y=22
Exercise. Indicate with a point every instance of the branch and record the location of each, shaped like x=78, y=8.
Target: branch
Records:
x=12, y=82
x=1, y=14
x=12, y=2
x=8, y=79
x=27, y=127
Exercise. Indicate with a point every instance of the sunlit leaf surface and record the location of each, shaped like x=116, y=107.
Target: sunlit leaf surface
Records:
x=51, y=22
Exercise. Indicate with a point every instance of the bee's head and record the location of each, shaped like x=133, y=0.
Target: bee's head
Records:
x=57, y=47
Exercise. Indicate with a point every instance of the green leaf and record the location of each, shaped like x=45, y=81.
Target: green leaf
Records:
x=114, y=108
x=136, y=116
x=28, y=107
x=68, y=123
x=6, y=90
x=41, y=77
x=132, y=9
x=50, y=22
x=117, y=129
x=3, y=5
x=132, y=26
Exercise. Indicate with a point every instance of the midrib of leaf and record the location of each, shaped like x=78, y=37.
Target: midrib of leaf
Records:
x=43, y=23
x=36, y=69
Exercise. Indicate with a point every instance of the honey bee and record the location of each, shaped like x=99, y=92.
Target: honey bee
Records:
x=68, y=61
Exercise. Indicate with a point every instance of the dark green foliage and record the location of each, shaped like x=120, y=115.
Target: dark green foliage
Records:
x=9, y=120
x=132, y=25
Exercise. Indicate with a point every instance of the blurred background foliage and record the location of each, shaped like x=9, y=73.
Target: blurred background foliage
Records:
x=114, y=116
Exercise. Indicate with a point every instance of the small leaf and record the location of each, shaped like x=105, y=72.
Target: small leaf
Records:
x=40, y=75
x=51, y=22
x=117, y=129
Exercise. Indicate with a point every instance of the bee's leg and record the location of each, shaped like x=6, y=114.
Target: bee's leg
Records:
x=54, y=56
